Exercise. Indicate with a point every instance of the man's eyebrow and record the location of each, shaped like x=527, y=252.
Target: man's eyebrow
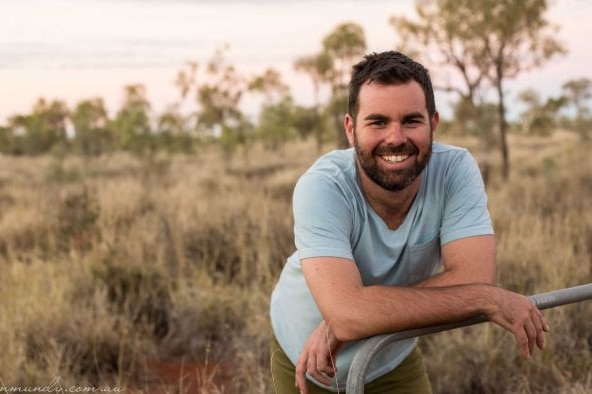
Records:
x=413, y=116
x=376, y=117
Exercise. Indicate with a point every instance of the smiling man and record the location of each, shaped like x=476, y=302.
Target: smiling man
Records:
x=391, y=235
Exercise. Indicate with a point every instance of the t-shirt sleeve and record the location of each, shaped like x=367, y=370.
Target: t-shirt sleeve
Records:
x=322, y=218
x=465, y=209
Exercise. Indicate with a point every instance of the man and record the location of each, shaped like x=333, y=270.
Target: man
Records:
x=391, y=235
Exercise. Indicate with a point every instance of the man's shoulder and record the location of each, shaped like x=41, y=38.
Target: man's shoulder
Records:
x=444, y=155
x=451, y=164
x=438, y=147
x=330, y=176
x=333, y=164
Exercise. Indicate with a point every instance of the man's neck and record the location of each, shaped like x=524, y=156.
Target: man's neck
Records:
x=391, y=206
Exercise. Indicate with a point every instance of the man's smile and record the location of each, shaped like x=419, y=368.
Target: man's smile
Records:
x=395, y=158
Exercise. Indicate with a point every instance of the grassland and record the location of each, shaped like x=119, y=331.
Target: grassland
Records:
x=114, y=264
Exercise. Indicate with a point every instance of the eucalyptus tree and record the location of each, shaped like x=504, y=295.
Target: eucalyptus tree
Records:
x=319, y=67
x=341, y=49
x=172, y=131
x=277, y=109
x=90, y=120
x=7, y=144
x=42, y=130
x=131, y=124
x=539, y=117
x=346, y=44
x=219, y=97
x=270, y=85
x=578, y=92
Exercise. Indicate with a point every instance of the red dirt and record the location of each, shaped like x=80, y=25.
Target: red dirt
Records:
x=160, y=377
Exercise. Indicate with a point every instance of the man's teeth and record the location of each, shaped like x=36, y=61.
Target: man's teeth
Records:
x=395, y=158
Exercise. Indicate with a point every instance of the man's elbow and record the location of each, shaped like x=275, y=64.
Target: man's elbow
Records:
x=346, y=327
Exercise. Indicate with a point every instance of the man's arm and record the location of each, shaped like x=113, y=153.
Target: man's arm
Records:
x=467, y=260
x=354, y=311
x=461, y=290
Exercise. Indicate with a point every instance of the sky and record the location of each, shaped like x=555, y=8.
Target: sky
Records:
x=78, y=49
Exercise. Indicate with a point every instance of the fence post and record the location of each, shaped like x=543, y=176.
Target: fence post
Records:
x=362, y=359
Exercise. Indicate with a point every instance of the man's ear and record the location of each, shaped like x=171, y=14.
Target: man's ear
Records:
x=434, y=123
x=348, y=124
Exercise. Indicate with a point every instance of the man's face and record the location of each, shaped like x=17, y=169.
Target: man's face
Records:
x=392, y=134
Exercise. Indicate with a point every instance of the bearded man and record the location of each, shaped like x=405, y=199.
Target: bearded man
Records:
x=390, y=235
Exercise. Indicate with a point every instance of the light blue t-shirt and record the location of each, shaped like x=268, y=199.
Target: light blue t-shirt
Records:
x=332, y=218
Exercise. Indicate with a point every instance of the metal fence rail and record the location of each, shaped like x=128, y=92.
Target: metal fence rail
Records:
x=362, y=359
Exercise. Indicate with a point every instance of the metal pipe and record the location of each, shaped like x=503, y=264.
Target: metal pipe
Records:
x=362, y=359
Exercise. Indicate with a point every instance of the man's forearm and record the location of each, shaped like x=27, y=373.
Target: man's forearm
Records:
x=453, y=278
x=381, y=309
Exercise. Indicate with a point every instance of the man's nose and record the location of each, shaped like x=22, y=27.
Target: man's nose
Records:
x=394, y=134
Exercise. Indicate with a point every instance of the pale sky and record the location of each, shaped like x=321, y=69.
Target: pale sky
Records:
x=77, y=49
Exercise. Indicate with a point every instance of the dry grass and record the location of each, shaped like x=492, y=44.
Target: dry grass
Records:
x=113, y=264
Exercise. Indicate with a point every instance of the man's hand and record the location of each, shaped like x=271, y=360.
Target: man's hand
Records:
x=318, y=357
x=519, y=315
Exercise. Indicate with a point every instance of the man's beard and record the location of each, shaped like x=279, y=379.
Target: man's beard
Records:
x=392, y=180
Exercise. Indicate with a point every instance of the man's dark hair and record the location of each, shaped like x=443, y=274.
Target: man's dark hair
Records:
x=389, y=68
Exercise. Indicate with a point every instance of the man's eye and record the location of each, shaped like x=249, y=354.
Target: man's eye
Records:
x=378, y=123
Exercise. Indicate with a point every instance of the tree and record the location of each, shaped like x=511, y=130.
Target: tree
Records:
x=517, y=38
x=171, y=131
x=186, y=79
x=270, y=85
x=276, y=115
x=90, y=121
x=276, y=123
x=42, y=130
x=436, y=39
x=132, y=121
x=7, y=140
x=319, y=67
x=494, y=39
x=578, y=92
x=218, y=99
x=539, y=117
x=345, y=45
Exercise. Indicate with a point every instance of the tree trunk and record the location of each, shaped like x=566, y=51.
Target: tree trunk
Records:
x=318, y=127
x=503, y=127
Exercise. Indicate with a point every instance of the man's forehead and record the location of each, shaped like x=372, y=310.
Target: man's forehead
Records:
x=408, y=95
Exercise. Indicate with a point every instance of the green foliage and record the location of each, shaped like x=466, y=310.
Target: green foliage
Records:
x=132, y=121
x=220, y=96
x=41, y=130
x=476, y=120
x=172, y=133
x=279, y=123
x=90, y=121
x=7, y=140
x=578, y=92
x=540, y=118
x=270, y=85
x=346, y=44
x=320, y=68
x=233, y=136
x=307, y=121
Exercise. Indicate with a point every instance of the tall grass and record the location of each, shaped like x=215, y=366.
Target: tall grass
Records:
x=111, y=264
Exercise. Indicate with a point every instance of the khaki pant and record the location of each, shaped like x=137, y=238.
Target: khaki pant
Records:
x=410, y=377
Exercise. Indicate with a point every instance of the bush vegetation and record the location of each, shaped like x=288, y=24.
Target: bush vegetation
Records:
x=116, y=262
